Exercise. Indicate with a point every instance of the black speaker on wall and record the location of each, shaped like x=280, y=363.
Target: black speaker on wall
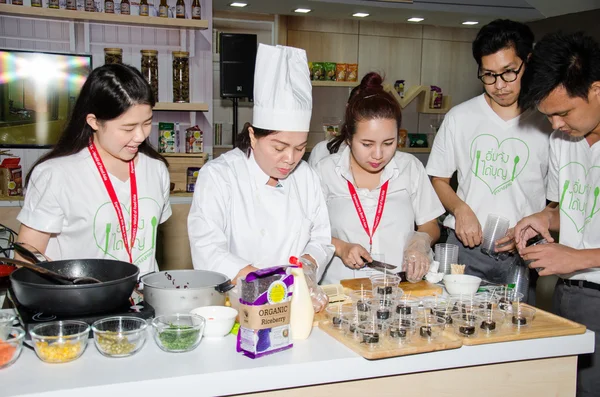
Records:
x=238, y=55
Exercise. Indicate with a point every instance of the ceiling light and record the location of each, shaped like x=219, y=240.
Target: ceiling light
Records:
x=360, y=15
x=237, y=4
x=303, y=10
x=415, y=19
x=470, y=23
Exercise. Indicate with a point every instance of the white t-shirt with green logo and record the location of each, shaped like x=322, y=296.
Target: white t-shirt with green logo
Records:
x=574, y=182
x=502, y=165
x=66, y=197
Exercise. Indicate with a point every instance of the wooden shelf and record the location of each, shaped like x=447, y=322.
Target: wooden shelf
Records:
x=180, y=193
x=424, y=104
x=415, y=149
x=326, y=83
x=181, y=107
x=69, y=15
x=199, y=155
x=12, y=198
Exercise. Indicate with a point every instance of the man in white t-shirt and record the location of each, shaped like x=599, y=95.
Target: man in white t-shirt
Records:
x=499, y=152
x=564, y=84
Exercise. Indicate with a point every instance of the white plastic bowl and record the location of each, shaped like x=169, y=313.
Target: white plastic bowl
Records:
x=219, y=320
x=461, y=284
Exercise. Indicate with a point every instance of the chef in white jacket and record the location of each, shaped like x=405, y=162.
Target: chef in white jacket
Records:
x=259, y=204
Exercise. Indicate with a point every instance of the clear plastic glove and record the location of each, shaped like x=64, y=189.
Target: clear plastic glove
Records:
x=417, y=256
x=318, y=296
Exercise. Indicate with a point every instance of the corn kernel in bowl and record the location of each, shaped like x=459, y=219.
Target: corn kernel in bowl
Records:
x=60, y=341
x=59, y=352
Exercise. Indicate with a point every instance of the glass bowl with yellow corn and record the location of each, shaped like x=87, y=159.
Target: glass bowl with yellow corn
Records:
x=60, y=341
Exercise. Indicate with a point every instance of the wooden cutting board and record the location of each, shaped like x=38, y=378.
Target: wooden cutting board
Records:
x=390, y=349
x=544, y=325
x=422, y=288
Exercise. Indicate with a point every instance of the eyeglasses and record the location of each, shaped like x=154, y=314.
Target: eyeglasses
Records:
x=508, y=76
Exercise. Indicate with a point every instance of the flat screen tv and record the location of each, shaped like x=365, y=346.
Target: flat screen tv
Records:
x=38, y=91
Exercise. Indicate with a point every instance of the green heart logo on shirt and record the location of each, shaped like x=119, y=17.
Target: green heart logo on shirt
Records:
x=107, y=232
x=579, y=193
x=498, y=164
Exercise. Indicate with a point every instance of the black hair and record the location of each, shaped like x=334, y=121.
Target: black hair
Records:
x=108, y=92
x=243, y=138
x=568, y=60
x=500, y=34
x=369, y=102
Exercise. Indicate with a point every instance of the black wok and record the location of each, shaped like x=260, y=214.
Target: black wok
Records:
x=36, y=292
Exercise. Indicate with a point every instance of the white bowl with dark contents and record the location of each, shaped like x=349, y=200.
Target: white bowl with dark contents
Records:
x=461, y=284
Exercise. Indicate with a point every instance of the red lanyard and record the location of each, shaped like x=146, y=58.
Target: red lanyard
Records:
x=115, y=200
x=361, y=212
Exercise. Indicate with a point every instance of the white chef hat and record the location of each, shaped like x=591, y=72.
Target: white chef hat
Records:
x=282, y=89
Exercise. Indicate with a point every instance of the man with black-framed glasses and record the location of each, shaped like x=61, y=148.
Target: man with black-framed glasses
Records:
x=499, y=152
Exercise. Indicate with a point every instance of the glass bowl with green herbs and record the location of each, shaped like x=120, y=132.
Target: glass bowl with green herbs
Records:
x=178, y=333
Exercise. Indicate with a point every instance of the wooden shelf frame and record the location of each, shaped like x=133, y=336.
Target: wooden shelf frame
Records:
x=423, y=93
x=84, y=16
x=421, y=150
x=329, y=83
x=181, y=107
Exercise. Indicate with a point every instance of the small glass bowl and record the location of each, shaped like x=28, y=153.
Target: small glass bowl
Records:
x=521, y=316
x=11, y=346
x=337, y=313
x=491, y=320
x=430, y=327
x=178, y=333
x=60, y=341
x=466, y=324
x=120, y=336
x=386, y=285
x=373, y=333
x=6, y=323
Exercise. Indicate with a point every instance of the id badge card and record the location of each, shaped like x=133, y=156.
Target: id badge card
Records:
x=367, y=272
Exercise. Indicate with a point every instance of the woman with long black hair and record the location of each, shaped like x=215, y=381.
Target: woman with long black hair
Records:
x=102, y=190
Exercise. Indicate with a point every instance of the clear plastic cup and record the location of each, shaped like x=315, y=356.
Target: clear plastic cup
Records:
x=401, y=330
x=430, y=327
x=466, y=324
x=445, y=311
x=360, y=300
x=495, y=228
x=522, y=316
x=337, y=313
x=386, y=286
x=373, y=332
x=486, y=300
x=491, y=320
x=406, y=306
x=508, y=298
x=446, y=255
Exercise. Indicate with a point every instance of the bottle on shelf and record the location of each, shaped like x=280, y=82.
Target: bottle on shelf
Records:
x=113, y=55
x=34, y=3
x=89, y=6
x=72, y=5
x=125, y=7
x=149, y=68
x=144, y=8
x=53, y=4
x=196, y=10
x=180, y=9
x=109, y=6
x=181, y=76
x=163, y=9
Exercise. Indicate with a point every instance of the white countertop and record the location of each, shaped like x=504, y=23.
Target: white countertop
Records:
x=215, y=368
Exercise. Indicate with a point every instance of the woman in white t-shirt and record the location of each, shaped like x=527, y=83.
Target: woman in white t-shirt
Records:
x=102, y=190
x=375, y=195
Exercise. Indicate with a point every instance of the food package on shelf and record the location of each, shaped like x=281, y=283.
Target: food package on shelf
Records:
x=11, y=177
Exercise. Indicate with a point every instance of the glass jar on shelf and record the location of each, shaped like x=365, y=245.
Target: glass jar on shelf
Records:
x=125, y=7
x=181, y=76
x=149, y=69
x=163, y=9
x=180, y=9
x=109, y=6
x=144, y=8
x=113, y=55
